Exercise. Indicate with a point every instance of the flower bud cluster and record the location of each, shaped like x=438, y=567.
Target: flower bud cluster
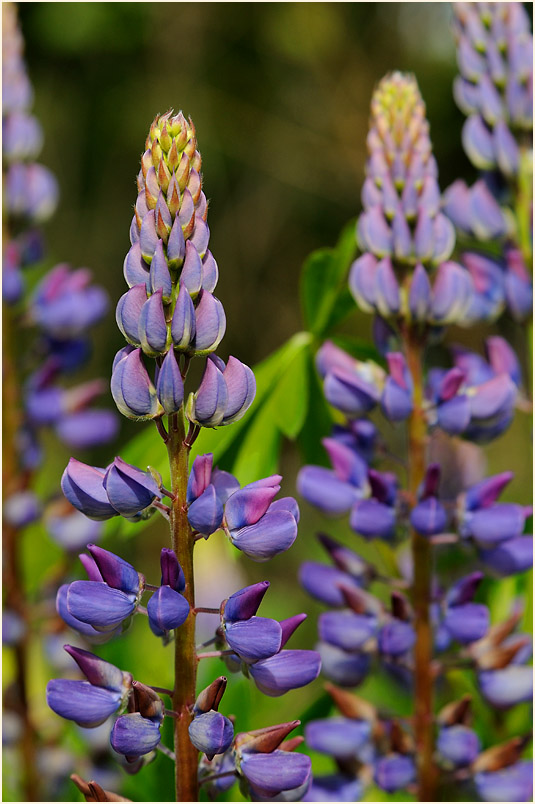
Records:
x=170, y=312
x=30, y=189
x=495, y=85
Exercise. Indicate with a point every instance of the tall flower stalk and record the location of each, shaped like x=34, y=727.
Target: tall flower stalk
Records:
x=169, y=316
x=406, y=278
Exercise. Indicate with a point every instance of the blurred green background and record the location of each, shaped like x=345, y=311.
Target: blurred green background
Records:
x=279, y=93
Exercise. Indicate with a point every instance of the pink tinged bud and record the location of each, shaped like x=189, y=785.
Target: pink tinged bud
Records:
x=398, y=370
x=194, y=185
x=502, y=358
x=506, y=149
x=456, y=205
x=450, y=384
x=247, y=506
x=471, y=64
x=371, y=194
x=374, y=233
x=183, y=322
x=386, y=289
x=410, y=200
x=83, y=486
x=477, y=142
x=132, y=390
x=362, y=282
x=423, y=236
x=486, y=218
x=128, y=312
x=200, y=476
x=210, y=401
x=487, y=491
x=182, y=172
x=163, y=217
x=152, y=326
x=191, y=274
x=141, y=208
x=135, y=269
x=134, y=231
x=430, y=196
x=200, y=236
x=241, y=387
x=121, y=354
x=148, y=237
x=329, y=357
x=186, y=214
x=210, y=272
x=152, y=188
x=466, y=95
x=390, y=198
x=419, y=294
x=401, y=235
x=493, y=397
x=173, y=196
x=452, y=293
x=490, y=102
x=160, y=278
x=396, y=401
x=210, y=324
x=273, y=534
x=347, y=464
x=169, y=386
x=176, y=245
x=205, y=513
x=444, y=238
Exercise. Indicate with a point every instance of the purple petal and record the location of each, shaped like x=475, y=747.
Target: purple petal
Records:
x=274, y=533
x=98, y=604
x=133, y=735
x=167, y=610
x=79, y=701
x=286, y=671
x=337, y=737
x=254, y=639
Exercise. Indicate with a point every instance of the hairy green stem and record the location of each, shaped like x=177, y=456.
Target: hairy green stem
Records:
x=186, y=784
x=421, y=584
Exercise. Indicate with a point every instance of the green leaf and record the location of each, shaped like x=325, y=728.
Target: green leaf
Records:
x=289, y=402
x=324, y=279
x=259, y=451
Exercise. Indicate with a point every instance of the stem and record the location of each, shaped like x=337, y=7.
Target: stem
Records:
x=215, y=654
x=206, y=610
x=421, y=585
x=163, y=690
x=186, y=784
x=215, y=776
x=13, y=481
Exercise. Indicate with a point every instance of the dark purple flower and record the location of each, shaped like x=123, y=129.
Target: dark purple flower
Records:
x=507, y=687
x=513, y=783
x=129, y=489
x=253, y=639
x=344, y=668
x=396, y=638
x=211, y=733
x=285, y=671
x=273, y=773
x=346, y=630
x=132, y=389
x=167, y=610
x=394, y=772
x=243, y=605
x=83, y=486
x=338, y=737
x=334, y=788
x=205, y=514
x=458, y=745
x=133, y=735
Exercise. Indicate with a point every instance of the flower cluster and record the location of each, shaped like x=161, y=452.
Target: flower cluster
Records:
x=170, y=316
x=405, y=241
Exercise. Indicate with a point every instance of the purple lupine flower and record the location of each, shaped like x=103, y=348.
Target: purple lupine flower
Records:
x=346, y=629
x=256, y=524
x=133, y=735
x=473, y=210
x=348, y=669
x=168, y=608
x=428, y=517
x=507, y=687
x=211, y=733
x=338, y=737
x=286, y=670
x=21, y=508
x=494, y=86
x=245, y=603
x=69, y=528
x=512, y=783
x=83, y=486
x=335, y=490
x=132, y=389
x=89, y=703
x=458, y=745
x=394, y=772
x=275, y=772
x=110, y=596
x=518, y=285
x=225, y=393
x=336, y=788
x=66, y=304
